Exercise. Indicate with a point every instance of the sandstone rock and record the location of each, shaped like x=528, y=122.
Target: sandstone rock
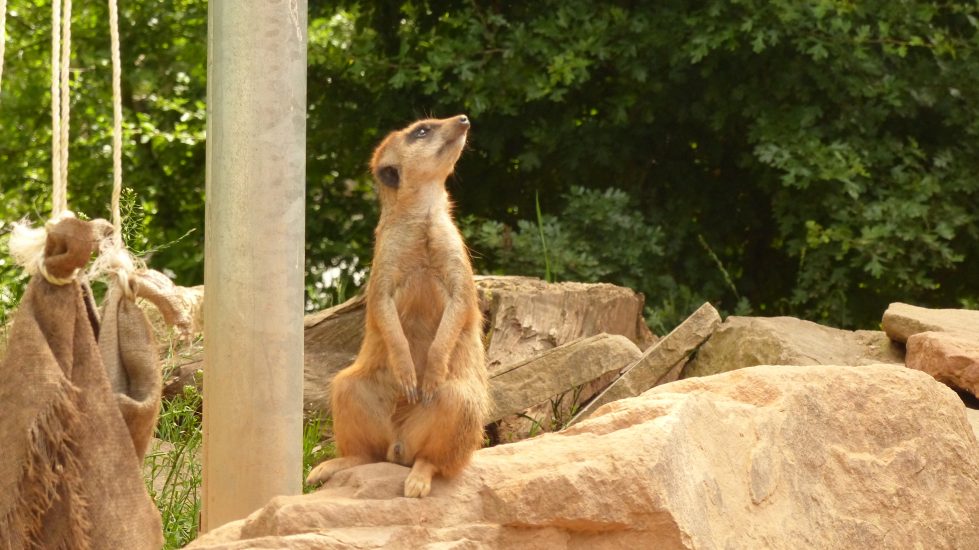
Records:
x=766, y=457
x=748, y=341
x=973, y=416
x=949, y=357
x=903, y=320
x=658, y=360
x=546, y=390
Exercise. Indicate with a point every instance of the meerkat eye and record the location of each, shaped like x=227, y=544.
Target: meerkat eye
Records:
x=421, y=132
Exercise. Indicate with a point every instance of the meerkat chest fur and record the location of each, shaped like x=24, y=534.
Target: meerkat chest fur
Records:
x=421, y=254
x=420, y=260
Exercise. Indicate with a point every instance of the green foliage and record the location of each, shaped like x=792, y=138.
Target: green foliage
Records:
x=173, y=467
x=597, y=236
x=315, y=448
x=824, y=151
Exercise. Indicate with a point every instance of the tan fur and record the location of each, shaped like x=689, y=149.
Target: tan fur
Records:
x=417, y=393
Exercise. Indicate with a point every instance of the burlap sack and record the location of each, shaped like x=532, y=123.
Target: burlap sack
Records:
x=69, y=472
x=131, y=364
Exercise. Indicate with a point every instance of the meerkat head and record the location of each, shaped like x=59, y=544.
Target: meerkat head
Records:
x=420, y=155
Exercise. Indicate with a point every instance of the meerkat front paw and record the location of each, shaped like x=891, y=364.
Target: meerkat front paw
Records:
x=432, y=380
x=418, y=485
x=404, y=372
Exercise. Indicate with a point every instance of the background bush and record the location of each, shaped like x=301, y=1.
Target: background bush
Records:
x=808, y=158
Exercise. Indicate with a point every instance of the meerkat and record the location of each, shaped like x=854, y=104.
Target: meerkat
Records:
x=417, y=393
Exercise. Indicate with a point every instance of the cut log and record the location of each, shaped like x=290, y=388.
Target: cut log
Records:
x=658, y=360
x=562, y=369
x=332, y=339
x=525, y=316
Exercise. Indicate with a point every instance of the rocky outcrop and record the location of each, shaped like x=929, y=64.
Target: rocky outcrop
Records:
x=949, y=357
x=748, y=341
x=901, y=321
x=766, y=457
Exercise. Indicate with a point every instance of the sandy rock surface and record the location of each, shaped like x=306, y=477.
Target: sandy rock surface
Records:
x=765, y=457
x=901, y=321
x=951, y=358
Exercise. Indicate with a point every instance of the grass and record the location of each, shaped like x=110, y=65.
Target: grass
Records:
x=543, y=242
x=172, y=467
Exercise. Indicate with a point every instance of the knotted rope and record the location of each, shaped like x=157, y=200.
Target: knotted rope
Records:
x=114, y=258
x=27, y=243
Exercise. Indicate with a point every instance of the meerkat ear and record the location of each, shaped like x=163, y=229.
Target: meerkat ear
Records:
x=388, y=175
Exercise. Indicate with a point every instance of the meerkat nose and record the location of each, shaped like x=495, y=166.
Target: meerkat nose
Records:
x=464, y=120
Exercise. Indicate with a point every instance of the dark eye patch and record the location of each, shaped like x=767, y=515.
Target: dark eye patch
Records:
x=422, y=131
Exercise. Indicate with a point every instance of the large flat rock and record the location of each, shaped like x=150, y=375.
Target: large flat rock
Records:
x=901, y=321
x=950, y=357
x=748, y=341
x=766, y=457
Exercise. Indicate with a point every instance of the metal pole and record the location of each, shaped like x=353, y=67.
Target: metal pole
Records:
x=253, y=267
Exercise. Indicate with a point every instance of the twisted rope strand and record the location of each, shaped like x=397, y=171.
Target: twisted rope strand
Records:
x=57, y=193
x=65, y=98
x=116, y=121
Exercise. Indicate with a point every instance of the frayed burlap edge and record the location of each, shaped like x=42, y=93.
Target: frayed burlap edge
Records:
x=51, y=472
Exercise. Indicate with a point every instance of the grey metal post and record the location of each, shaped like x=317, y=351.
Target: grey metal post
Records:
x=253, y=267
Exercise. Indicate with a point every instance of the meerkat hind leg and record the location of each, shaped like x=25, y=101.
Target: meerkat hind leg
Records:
x=419, y=481
x=325, y=470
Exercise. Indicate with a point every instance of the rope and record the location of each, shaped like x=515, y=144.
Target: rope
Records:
x=113, y=256
x=27, y=244
x=116, y=120
x=65, y=99
x=58, y=194
x=3, y=37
